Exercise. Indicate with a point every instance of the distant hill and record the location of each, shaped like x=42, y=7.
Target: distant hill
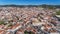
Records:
x=50, y=6
x=19, y=5
x=43, y=5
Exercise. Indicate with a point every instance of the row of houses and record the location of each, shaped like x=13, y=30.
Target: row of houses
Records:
x=35, y=19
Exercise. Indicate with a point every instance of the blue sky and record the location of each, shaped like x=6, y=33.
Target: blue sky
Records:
x=30, y=2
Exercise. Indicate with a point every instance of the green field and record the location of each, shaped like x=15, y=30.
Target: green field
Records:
x=58, y=12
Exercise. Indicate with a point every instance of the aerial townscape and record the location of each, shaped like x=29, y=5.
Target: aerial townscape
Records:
x=29, y=20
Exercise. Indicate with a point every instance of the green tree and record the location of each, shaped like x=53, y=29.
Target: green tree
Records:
x=2, y=22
